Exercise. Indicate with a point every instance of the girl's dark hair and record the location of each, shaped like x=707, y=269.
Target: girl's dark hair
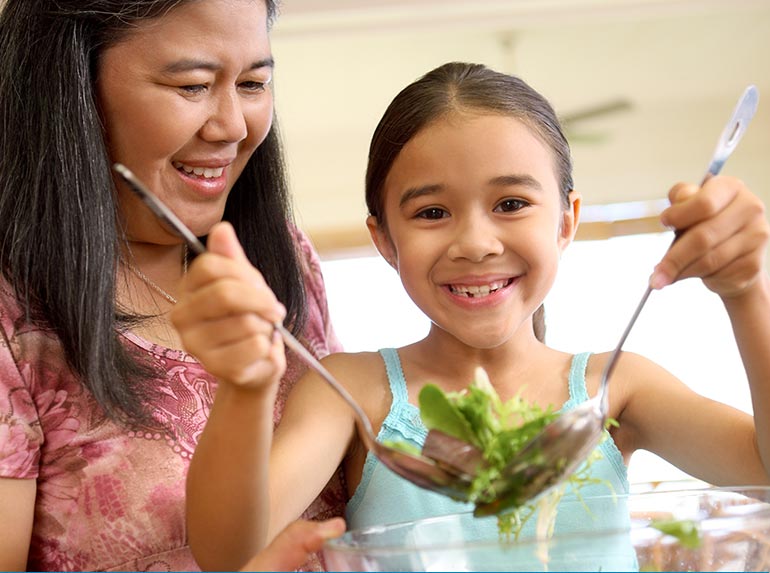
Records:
x=59, y=235
x=456, y=87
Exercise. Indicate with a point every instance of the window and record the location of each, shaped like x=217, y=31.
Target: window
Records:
x=684, y=327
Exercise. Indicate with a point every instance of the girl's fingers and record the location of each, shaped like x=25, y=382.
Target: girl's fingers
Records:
x=691, y=205
x=717, y=260
x=254, y=359
x=222, y=241
x=224, y=332
x=735, y=278
x=726, y=222
x=227, y=297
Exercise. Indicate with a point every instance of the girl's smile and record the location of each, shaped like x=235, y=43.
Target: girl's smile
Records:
x=473, y=293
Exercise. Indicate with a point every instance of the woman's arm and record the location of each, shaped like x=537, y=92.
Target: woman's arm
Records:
x=17, y=511
x=295, y=544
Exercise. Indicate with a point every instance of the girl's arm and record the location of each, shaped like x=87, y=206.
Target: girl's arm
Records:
x=724, y=235
x=315, y=434
x=17, y=510
x=239, y=494
x=225, y=319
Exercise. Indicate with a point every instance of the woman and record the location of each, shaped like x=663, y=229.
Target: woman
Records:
x=100, y=408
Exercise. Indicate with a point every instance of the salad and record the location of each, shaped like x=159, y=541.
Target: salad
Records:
x=477, y=433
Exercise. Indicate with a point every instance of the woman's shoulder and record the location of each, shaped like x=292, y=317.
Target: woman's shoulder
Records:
x=11, y=310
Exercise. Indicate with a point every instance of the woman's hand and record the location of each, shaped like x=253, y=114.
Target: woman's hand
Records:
x=295, y=544
x=226, y=313
x=723, y=236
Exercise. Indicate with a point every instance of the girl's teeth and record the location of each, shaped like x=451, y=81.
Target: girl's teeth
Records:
x=205, y=172
x=477, y=291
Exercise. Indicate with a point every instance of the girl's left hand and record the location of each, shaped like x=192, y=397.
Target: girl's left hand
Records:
x=723, y=236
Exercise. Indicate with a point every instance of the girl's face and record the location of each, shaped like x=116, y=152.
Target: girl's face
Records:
x=185, y=100
x=475, y=225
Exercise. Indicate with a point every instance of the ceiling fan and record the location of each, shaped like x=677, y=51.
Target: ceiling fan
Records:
x=572, y=123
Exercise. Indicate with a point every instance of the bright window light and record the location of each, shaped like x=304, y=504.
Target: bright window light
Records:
x=684, y=327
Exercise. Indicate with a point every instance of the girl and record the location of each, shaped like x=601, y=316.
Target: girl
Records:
x=471, y=200
x=100, y=409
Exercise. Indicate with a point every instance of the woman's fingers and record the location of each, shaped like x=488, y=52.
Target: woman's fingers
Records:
x=295, y=544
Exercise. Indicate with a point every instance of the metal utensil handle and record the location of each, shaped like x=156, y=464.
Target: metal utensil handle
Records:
x=159, y=208
x=728, y=141
x=175, y=224
x=313, y=362
x=734, y=130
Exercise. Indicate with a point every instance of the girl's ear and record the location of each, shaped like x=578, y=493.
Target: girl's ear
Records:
x=382, y=241
x=570, y=219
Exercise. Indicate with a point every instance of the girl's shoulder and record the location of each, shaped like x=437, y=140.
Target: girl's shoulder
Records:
x=363, y=374
x=635, y=379
x=348, y=363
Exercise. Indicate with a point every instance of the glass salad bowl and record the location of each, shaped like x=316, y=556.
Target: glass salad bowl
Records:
x=693, y=529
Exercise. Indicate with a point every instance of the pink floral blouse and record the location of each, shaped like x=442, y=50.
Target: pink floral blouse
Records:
x=108, y=497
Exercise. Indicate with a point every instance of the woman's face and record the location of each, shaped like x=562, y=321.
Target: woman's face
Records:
x=185, y=100
x=476, y=225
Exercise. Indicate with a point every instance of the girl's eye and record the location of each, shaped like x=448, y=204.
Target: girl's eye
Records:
x=432, y=213
x=511, y=205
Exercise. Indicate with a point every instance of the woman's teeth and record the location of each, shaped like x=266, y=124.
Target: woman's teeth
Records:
x=205, y=172
x=478, y=291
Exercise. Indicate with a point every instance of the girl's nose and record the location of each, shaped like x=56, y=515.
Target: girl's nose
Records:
x=226, y=122
x=475, y=240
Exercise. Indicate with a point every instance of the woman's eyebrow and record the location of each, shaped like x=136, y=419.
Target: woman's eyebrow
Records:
x=189, y=64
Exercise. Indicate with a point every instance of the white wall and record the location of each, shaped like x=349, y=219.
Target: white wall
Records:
x=682, y=65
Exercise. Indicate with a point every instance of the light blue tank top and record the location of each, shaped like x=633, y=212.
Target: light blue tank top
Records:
x=382, y=497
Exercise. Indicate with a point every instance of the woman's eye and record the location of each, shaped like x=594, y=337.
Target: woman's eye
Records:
x=432, y=213
x=255, y=87
x=511, y=205
x=194, y=89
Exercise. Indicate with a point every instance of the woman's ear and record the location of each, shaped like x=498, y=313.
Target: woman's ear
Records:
x=570, y=219
x=382, y=241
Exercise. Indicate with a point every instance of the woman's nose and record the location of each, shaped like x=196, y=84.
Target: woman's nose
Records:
x=476, y=239
x=227, y=121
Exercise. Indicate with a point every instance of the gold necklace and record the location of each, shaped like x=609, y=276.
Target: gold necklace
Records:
x=151, y=283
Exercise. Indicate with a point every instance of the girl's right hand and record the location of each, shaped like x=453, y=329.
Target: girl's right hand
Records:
x=225, y=315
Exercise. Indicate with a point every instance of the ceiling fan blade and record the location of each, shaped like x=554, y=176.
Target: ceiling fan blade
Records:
x=608, y=108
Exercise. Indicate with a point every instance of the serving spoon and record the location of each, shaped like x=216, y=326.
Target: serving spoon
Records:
x=565, y=443
x=420, y=470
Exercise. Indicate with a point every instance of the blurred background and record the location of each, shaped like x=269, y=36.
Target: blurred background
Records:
x=644, y=88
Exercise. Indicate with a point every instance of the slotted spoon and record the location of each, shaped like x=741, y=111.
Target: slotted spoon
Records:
x=566, y=442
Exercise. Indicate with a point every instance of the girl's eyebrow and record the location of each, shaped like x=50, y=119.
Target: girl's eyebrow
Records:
x=414, y=192
x=189, y=64
x=519, y=180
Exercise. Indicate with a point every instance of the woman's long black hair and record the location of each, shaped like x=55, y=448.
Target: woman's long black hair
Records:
x=59, y=236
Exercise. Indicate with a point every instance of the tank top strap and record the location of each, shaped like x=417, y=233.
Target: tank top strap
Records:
x=578, y=393
x=577, y=380
x=403, y=419
x=395, y=374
